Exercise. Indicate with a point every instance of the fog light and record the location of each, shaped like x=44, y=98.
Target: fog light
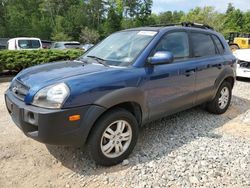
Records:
x=74, y=118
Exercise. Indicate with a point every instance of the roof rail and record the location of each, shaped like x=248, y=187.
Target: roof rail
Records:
x=185, y=24
x=197, y=25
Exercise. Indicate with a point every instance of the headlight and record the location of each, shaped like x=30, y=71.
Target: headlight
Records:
x=52, y=96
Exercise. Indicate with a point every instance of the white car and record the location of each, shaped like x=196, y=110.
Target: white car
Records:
x=66, y=45
x=243, y=65
x=24, y=43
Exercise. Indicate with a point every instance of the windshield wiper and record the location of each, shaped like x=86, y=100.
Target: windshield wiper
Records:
x=98, y=60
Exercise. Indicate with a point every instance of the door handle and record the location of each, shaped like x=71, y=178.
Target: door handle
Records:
x=189, y=72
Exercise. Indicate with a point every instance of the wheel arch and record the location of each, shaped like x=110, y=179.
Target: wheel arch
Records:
x=234, y=44
x=130, y=99
x=227, y=75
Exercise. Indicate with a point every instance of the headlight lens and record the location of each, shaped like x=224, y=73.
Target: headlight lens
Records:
x=52, y=96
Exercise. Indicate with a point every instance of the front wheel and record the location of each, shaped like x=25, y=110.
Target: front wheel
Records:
x=113, y=137
x=222, y=100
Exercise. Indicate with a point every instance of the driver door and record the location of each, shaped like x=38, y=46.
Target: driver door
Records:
x=170, y=87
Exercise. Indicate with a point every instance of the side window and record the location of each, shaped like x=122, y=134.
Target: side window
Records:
x=203, y=45
x=218, y=44
x=177, y=43
x=57, y=45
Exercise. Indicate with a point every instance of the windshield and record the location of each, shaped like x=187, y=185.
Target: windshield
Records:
x=121, y=49
x=29, y=44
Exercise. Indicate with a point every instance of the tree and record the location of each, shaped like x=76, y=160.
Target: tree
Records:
x=206, y=15
x=234, y=19
x=113, y=21
x=2, y=18
x=68, y=19
x=230, y=8
x=58, y=31
x=246, y=26
x=89, y=36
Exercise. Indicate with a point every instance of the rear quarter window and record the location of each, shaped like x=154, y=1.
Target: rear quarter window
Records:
x=219, y=44
x=202, y=44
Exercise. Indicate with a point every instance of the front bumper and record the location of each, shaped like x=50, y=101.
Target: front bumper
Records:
x=52, y=126
x=242, y=72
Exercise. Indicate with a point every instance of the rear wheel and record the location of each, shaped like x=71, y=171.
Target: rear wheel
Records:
x=222, y=100
x=113, y=137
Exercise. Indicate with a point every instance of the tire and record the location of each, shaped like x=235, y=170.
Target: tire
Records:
x=217, y=106
x=234, y=47
x=110, y=147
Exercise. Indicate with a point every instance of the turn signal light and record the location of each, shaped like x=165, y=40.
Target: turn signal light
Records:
x=74, y=118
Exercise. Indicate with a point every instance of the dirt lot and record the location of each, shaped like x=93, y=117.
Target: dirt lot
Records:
x=165, y=147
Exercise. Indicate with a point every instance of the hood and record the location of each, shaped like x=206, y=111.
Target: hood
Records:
x=242, y=55
x=51, y=73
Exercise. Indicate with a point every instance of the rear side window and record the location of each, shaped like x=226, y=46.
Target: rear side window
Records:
x=218, y=44
x=72, y=45
x=177, y=43
x=58, y=45
x=203, y=45
x=29, y=44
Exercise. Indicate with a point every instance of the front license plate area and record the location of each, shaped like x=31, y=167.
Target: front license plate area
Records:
x=14, y=111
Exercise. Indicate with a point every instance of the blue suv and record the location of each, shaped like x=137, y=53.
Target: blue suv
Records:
x=129, y=79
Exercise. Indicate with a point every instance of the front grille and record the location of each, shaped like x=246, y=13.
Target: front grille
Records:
x=19, y=89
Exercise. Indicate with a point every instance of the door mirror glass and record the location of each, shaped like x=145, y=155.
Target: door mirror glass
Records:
x=161, y=57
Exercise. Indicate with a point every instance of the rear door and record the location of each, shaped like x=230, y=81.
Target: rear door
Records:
x=209, y=64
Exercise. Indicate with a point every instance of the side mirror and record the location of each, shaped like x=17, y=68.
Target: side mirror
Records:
x=161, y=57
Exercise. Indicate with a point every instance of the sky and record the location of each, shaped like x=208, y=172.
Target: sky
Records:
x=186, y=5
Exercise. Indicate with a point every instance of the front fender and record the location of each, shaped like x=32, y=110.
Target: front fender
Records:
x=128, y=94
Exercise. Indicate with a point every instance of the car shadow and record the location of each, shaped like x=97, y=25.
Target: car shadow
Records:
x=179, y=129
x=242, y=79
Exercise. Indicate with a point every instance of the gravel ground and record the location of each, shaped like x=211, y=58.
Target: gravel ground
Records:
x=189, y=149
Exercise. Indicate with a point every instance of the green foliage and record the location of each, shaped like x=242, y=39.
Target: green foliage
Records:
x=113, y=21
x=20, y=59
x=60, y=36
x=89, y=36
x=68, y=19
x=206, y=15
x=64, y=20
x=169, y=17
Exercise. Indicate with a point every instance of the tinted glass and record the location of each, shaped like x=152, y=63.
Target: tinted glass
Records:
x=202, y=45
x=58, y=45
x=218, y=44
x=72, y=45
x=29, y=44
x=177, y=43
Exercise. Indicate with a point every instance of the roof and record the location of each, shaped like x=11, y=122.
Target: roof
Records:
x=25, y=38
x=67, y=42
x=183, y=25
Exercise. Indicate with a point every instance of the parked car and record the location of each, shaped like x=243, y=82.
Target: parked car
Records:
x=2, y=47
x=46, y=44
x=24, y=43
x=129, y=79
x=86, y=47
x=66, y=45
x=243, y=64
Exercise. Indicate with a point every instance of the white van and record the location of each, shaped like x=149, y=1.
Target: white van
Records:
x=23, y=43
